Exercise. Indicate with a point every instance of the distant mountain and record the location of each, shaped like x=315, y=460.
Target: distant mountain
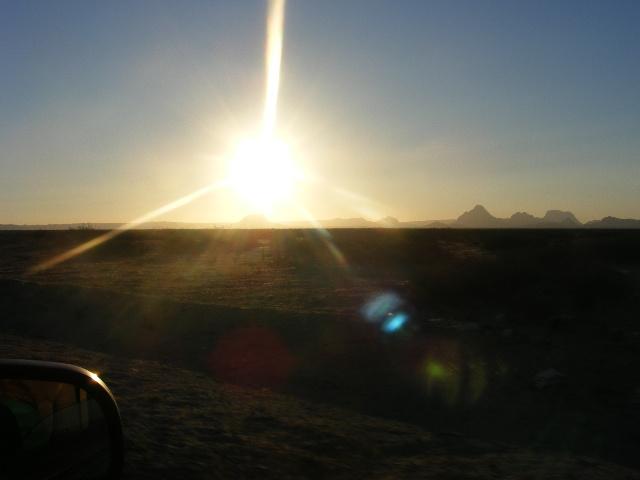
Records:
x=437, y=224
x=255, y=221
x=558, y=216
x=478, y=217
x=108, y=226
x=523, y=220
x=551, y=219
x=354, y=222
x=389, y=222
x=60, y=226
x=357, y=222
x=613, y=222
x=428, y=224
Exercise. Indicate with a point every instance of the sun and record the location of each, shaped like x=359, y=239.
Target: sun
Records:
x=262, y=172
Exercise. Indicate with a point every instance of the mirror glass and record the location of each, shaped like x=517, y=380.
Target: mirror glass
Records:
x=51, y=430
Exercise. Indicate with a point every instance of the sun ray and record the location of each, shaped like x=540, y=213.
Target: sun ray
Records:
x=325, y=235
x=361, y=204
x=366, y=207
x=254, y=181
x=94, y=242
x=273, y=62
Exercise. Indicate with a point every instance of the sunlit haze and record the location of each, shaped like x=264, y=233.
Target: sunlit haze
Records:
x=332, y=109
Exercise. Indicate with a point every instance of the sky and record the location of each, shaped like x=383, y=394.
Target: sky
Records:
x=416, y=109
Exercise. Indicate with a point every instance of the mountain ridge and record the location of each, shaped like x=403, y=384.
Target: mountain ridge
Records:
x=477, y=217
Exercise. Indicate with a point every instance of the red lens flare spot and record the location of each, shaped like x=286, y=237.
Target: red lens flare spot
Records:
x=253, y=357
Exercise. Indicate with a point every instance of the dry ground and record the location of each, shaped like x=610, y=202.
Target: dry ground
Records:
x=490, y=309
x=179, y=423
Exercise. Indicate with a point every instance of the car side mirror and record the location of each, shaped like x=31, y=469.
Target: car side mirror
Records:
x=57, y=421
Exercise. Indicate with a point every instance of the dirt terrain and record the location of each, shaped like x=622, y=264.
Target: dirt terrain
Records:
x=521, y=338
x=180, y=423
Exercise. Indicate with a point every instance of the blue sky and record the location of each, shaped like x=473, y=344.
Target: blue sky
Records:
x=424, y=108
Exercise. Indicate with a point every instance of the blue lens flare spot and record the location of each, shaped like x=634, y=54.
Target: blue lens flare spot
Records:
x=395, y=323
x=379, y=307
x=387, y=311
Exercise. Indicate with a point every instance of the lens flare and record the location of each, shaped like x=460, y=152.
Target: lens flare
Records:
x=326, y=238
x=94, y=242
x=395, y=323
x=387, y=311
x=262, y=171
x=379, y=306
x=273, y=56
x=454, y=373
x=266, y=182
x=252, y=356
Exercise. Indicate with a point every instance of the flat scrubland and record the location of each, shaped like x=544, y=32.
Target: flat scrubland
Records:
x=179, y=423
x=522, y=345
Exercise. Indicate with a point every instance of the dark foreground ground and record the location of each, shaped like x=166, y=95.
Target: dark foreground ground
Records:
x=181, y=424
x=521, y=338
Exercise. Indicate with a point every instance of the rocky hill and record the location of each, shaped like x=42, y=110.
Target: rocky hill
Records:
x=478, y=217
x=614, y=223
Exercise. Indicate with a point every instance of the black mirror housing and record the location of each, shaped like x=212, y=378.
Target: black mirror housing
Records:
x=24, y=384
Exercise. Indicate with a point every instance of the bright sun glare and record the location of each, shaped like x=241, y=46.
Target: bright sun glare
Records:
x=262, y=172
